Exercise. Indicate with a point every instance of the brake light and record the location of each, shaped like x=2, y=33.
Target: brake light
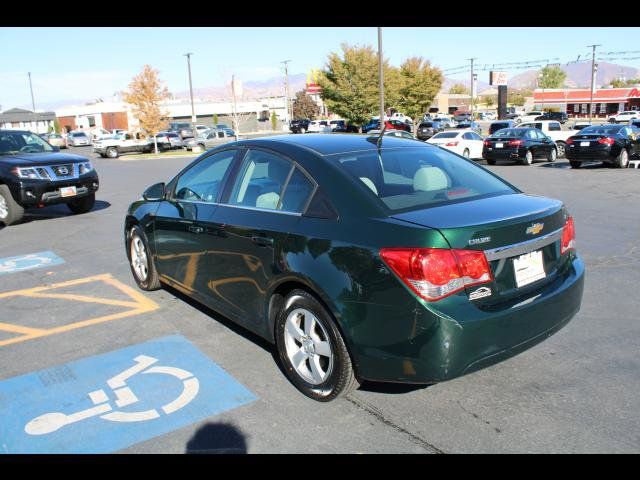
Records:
x=486, y=143
x=568, y=236
x=569, y=141
x=451, y=144
x=515, y=143
x=435, y=273
x=607, y=141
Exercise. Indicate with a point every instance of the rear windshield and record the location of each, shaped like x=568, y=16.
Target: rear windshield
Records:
x=510, y=132
x=78, y=134
x=415, y=178
x=426, y=124
x=602, y=130
x=446, y=135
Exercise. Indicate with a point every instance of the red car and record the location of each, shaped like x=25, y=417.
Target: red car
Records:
x=396, y=125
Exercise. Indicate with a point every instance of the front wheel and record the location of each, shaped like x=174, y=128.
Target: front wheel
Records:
x=140, y=260
x=10, y=211
x=112, y=152
x=312, y=350
x=466, y=153
x=551, y=157
x=561, y=149
x=622, y=160
x=303, y=130
x=82, y=204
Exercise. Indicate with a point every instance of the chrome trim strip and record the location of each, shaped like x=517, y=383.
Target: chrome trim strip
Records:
x=523, y=247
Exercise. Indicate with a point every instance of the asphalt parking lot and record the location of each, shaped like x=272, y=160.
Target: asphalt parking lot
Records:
x=80, y=320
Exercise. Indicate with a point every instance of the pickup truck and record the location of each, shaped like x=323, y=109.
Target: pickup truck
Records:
x=528, y=116
x=553, y=129
x=212, y=138
x=116, y=145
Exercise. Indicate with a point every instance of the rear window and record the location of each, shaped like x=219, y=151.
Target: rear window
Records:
x=78, y=135
x=602, y=130
x=499, y=126
x=426, y=124
x=446, y=135
x=510, y=132
x=415, y=178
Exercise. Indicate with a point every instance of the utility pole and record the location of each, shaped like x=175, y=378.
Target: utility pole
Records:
x=593, y=78
x=471, y=88
x=33, y=103
x=193, y=110
x=381, y=80
x=286, y=90
x=235, y=112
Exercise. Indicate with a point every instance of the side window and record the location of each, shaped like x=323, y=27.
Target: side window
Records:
x=475, y=136
x=532, y=135
x=261, y=179
x=554, y=127
x=220, y=134
x=202, y=182
x=297, y=192
x=467, y=136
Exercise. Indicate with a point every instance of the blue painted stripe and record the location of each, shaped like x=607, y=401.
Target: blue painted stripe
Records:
x=29, y=262
x=64, y=390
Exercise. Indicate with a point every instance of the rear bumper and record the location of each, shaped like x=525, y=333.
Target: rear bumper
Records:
x=503, y=153
x=454, y=337
x=602, y=154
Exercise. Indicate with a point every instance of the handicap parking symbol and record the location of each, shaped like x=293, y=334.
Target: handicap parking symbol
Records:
x=139, y=396
x=29, y=262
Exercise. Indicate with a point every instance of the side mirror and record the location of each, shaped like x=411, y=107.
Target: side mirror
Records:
x=154, y=193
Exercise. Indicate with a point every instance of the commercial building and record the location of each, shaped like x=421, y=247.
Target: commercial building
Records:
x=20, y=119
x=577, y=102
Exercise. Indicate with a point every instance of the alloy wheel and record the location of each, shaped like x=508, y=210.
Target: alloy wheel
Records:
x=4, y=208
x=308, y=346
x=139, y=260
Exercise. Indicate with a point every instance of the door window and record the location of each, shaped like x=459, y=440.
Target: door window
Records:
x=202, y=182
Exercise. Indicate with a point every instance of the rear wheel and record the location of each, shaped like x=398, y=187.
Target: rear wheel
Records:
x=622, y=160
x=561, y=147
x=528, y=158
x=112, y=152
x=82, y=204
x=312, y=350
x=575, y=164
x=10, y=211
x=140, y=260
x=466, y=153
x=303, y=130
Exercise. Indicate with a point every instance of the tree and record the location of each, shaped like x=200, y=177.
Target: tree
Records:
x=145, y=94
x=274, y=120
x=552, y=77
x=350, y=83
x=304, y=107
x=459, y=89
x=420, y=83
x=489, y=101
x=517, y=97
x=56, y=126
x=215, y=119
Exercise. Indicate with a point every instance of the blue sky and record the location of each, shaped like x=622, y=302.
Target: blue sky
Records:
x=70, y=63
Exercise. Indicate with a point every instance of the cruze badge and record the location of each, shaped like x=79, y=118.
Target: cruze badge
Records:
x=535, y=228
x=479, y=293
x=476, y=241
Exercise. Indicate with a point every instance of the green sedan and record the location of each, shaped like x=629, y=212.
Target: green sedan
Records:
x=360, y=258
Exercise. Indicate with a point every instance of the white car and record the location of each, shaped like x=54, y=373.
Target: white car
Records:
x=463, y=142
x=528, y=117
x=319, y=126
x=625, y=117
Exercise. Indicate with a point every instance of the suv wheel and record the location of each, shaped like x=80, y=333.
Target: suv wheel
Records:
x=82, y=204
x=112, y=152
x=10, y=211
x=312, y=350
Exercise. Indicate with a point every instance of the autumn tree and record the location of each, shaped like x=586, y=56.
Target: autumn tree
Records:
x=552, y=77
x=489, y=101
x=145, y=94
x=304, y=107
x=419, y=85
x=459, y=89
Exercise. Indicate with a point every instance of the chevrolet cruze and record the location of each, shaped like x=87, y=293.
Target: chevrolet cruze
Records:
x=361, y=258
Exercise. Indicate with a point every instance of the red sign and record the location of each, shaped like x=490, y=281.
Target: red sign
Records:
x=634, y=93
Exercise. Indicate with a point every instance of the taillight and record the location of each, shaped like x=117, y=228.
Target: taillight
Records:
x=569, y=141
x=568, y=236
x=607, y=141
x=435, y=273
x=451, y=144
x=486, y=143
x=515, y=143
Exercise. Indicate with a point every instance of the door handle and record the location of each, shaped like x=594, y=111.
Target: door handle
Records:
x=262, y=241
x=195, y=229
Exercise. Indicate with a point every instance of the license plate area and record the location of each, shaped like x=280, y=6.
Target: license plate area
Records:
x=585, y=144
x=68, y=191
x=499, y=145
x=528, y=268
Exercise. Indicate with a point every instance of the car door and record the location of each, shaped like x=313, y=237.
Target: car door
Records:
x=260, y=207
x=183, y=234
x=476, y=144
x=545, y=144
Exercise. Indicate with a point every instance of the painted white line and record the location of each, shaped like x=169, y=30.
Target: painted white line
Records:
x=98, y=397
x=50, y=422
x=142, y=362
x=125, y=397
x=191, y=388
x=131, y=416
x=173, y=371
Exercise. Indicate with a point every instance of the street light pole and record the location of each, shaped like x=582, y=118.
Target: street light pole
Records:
x=471, y=89
x=193, y=110
x=286, y=90
x=33, y=103
x=593, y=79
x=381, y=80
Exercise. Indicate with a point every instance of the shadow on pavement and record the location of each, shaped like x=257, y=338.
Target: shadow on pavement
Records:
x=391, y=388
x=57, y=211
x=219, y=438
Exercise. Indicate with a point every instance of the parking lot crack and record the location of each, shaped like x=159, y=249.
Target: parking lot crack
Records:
x=378, y=414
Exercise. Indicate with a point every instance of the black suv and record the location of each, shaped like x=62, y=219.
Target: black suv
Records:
x=559, y=116
x=428, y=129
x=35, y=174
x=299, y=126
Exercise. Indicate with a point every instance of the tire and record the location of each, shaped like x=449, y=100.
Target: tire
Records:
x=561, y=146
x=491, y=162
x=552, y=155
x=112, y=152
x=303, y=130
x=141, y=261
x=622, y=160
x=528, y=159
x=302, y=326
x=466, y=153
x=10, y=211
x=575, y=164
x=82, y=204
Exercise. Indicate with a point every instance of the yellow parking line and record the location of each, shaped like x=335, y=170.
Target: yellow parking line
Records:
x=139, y=305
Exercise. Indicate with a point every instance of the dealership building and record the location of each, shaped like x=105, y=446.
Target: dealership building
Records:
x=576, y=102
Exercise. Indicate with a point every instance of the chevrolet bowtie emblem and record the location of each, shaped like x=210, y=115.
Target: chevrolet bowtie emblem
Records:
x=535, y=228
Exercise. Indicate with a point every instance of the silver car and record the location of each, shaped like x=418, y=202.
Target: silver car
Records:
x=76, y=139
